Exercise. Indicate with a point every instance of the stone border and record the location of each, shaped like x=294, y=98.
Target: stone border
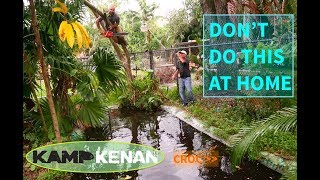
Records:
x=270, y=160
x=195, y=123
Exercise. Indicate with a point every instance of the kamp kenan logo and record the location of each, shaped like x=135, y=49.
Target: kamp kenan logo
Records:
x=95, y=156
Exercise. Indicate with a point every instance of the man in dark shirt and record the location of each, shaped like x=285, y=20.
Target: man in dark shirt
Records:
x=115, y=21
x=183, y=72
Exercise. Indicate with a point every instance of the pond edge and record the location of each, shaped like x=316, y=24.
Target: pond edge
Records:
x=197, y=124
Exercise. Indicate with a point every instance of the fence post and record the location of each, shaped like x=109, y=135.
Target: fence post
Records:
x=135, y=60
x=174, y=58
x=167, y=56
x=151, y=62
x=177, y=81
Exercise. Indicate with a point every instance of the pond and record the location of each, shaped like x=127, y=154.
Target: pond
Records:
x=165, y=132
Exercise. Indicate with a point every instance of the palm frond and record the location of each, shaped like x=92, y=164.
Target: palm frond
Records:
x=65, y=123
x=251, y=6
x=234, y=7
x=267, y=7
x=290, y=174
x=231, y=7
x=89, y=113
x=108, y=69
x=284, y=120
x=88, y=84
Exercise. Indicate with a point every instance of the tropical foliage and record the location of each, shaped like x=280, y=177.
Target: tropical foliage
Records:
x=284, y=120
x=261, y=7
x=78, y=88
x=144, y=94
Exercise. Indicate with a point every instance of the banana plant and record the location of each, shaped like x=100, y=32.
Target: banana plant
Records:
x=61, y=36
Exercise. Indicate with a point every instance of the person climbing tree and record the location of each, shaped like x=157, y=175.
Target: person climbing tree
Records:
x=114, y=27
x=125, y=58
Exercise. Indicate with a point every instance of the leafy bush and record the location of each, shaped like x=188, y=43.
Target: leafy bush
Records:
x=194, y=59
x=53, y=174
x=33, y=132
x=172, y=94
x=281, y=143
x=252, y=109
x=143, y=95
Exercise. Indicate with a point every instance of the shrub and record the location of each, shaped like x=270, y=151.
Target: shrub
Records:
x=172, y=94
x=196, y=60
x=143, y=95
x=252, y=109
x=53, y=174
x=283, y=144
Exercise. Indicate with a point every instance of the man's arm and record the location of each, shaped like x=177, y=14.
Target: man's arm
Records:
x=113, y=26
x=176, y=73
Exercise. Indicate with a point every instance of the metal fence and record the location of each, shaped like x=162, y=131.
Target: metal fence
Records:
x=161, y=62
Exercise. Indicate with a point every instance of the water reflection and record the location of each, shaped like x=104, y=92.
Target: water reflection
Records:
x=186, y=136
x=169, y=134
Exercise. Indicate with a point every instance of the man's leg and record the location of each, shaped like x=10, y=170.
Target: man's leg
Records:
x=120, y=38
x=189, y=88
x=116, y=38
x=118, y=29
x=181, y=91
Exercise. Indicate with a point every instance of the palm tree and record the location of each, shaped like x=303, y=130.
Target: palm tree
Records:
x=284, y=120
x=100, y=76
x=249, y=6
x=261, y=7
x=91, y=82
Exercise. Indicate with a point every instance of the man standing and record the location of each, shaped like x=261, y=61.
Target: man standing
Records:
x=183, y=71
x=114, y=27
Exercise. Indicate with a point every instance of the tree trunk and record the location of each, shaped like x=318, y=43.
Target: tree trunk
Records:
x=208, y=6
x=221, y=6
x=283, y=6
x=44, y=71
x=45, y=129
x=128, y=61
x=61, y=93
x=124, y=59
x=214, y=6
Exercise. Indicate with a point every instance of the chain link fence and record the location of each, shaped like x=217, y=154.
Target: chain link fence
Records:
x=163, y=62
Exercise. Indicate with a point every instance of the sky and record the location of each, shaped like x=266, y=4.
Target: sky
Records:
x=165, y=6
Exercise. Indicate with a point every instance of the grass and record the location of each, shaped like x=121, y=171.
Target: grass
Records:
x=224, y=119
x=283, y=144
